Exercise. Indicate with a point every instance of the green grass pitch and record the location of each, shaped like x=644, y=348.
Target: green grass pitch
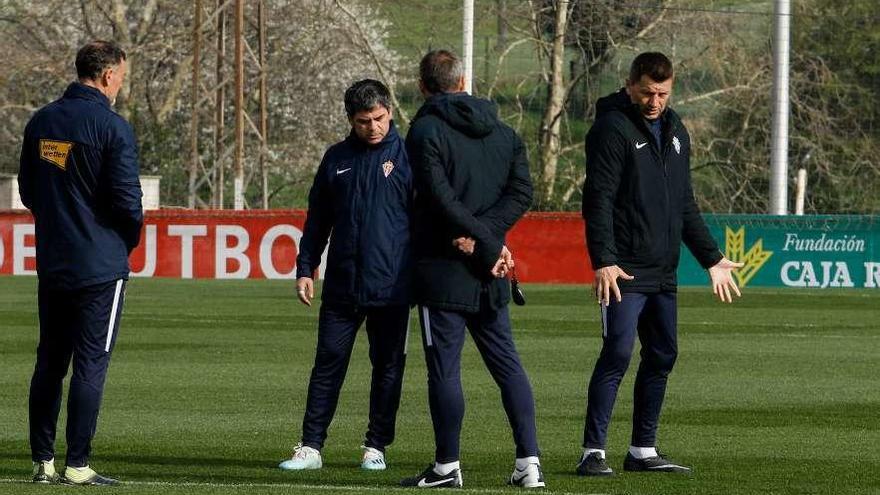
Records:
x=777, y=393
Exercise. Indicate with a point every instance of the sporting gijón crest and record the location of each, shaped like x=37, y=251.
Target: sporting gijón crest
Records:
x=387, y=167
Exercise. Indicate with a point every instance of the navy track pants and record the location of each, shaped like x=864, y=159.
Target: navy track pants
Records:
x=80, y=326
x=387, y=329
x=443, y=334
x=653, y=317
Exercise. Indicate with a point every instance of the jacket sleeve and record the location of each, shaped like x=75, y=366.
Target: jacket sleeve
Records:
x=606, y=153
x=516, y=198
x=319, y=223
x=694, y=231
x=430, y=180
x=25, y=179
x=124, y=185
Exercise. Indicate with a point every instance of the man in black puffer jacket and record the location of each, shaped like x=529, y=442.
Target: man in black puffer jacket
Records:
x=362, y=195
x=639, y=206
x=472, y=185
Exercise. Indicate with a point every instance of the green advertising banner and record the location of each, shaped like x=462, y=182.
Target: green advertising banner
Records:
x=821, y=251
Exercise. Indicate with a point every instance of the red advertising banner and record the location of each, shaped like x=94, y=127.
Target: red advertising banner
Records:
x=547, y=247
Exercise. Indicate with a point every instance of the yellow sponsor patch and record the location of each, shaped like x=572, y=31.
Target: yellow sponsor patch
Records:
x=55, y=152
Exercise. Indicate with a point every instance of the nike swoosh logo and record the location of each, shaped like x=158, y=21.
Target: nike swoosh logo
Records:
x=641, y=145
x=340, y=172
x=429, y=484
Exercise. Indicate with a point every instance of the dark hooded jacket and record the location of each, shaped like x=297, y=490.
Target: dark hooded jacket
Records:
x=472, y=180
x=361, y=194
x=638, y=202
x=79, y=177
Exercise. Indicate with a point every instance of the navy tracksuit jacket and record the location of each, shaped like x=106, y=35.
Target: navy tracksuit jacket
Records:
x=360, y=200
x=79, y=178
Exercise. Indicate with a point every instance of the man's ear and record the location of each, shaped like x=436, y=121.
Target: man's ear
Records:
x=461, y=86
x=106, y=76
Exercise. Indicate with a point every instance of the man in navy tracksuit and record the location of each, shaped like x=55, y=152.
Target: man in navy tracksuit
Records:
x=639, y=206
x=472, y=185
x=79, y=178
x=361, y=199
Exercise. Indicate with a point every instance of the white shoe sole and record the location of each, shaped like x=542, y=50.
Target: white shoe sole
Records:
x=291, y=466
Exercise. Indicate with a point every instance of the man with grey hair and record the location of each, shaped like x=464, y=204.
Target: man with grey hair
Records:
x=472, y=184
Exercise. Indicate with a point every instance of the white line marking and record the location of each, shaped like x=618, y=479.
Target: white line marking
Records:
x=349, y=488
x=113, y=315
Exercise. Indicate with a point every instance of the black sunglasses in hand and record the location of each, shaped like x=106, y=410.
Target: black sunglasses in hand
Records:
x=515, y=292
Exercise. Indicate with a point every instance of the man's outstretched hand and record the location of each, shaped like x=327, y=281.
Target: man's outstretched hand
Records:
x=722, y=279
x=606, y=283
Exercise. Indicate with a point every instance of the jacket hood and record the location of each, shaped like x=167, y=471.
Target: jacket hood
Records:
x=472, y=116
x=620, y=102
x=615, y=101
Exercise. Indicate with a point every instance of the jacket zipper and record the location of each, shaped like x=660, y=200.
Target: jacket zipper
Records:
x=667, y=146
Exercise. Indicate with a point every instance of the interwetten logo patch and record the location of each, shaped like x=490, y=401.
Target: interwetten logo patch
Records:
x=55, y=152
x=735, y=250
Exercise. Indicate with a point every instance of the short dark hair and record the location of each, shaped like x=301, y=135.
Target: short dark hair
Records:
x=652, y=64
x=96, y=56
x=365, y=95
x=440, y=71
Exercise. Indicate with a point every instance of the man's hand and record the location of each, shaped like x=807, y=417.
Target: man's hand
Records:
x=504, y=263
x=465, y=245
x=722, y=281
x=305, y=290
x=606, y=283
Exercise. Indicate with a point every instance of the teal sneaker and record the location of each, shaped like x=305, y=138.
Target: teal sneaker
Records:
x=303, y=457
x=373, y=459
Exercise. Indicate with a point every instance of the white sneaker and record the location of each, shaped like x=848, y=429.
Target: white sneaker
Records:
x=373, y=459
x=44, y=472
x=303, y=458
x=530, y=477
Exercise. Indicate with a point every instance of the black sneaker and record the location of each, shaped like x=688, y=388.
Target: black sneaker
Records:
x=659, y=463
x=430, y=479
x=593, y=465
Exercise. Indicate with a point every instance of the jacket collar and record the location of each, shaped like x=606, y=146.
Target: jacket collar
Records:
x=81, y=91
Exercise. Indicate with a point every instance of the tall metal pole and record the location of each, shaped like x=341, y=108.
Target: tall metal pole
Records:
x=238, y=157
x=220, y=109
x=194, y=120
x=468, y=44
x=779, y=137
x=264, y=119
